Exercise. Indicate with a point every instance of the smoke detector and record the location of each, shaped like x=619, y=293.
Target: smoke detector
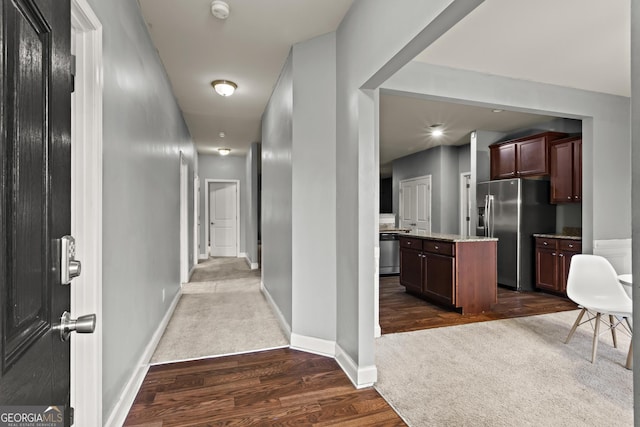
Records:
x=220, y=9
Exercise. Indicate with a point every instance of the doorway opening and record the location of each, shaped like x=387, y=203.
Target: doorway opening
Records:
x=184, y=220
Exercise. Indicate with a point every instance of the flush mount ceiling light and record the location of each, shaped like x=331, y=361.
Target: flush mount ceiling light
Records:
x=224, y=151
x=436, y=129
x=221, y=134
x=220, y=9
x=224, y=87
x=497, y=110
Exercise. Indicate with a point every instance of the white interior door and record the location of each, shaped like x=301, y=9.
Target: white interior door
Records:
x=223, y=218
x=415, y=204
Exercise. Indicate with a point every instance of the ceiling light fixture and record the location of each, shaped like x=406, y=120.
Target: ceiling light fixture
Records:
x=221, y=134
x=497, y=110
x=220, y=9
x=224, y=151
x=224, y=87
x=436, y=129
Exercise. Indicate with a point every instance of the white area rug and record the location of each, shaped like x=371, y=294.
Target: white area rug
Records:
x=219, y=317
x=514, y=372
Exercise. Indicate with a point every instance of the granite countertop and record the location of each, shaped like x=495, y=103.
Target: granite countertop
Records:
x=451, y=237
x=557, y=236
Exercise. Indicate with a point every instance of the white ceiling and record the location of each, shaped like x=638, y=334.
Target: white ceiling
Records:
x=249, y=48
x=405, y=121
x=576, y=43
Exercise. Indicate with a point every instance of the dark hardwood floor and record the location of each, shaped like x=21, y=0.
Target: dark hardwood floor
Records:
x=270, y=388
x=285, y=387
x=402, y=312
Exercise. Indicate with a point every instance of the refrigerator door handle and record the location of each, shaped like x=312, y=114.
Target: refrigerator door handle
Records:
x=491, y=226
x=487, y=218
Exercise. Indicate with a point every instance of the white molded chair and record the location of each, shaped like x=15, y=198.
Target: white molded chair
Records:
x=593, y=285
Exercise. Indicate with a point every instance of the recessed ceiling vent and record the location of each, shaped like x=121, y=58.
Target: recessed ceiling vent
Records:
x=220, y=9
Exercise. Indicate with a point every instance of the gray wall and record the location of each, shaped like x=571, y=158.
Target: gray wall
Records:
x=483, y=139
x=299, y=196
x=144, y=133
x=443, y=164
x=314, y=188
x=277, y=141
x=464, y=158
x=373, y=41
x=214, y=166
x=635, y=133
x=253, y=161
x=606, y=133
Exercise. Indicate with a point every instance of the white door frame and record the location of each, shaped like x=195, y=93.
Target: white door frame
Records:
x=86, y=211
x=464, y=191
x=196, y=224
x=206, y=212
x=184, y=220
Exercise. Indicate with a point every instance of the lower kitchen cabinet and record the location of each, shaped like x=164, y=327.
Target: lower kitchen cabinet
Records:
x=457, y=274
x=411, y=269
x=553, y=259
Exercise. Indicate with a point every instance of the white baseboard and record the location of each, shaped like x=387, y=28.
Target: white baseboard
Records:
x=191, y=271
x=286, y=328
x=617, y=252
x=127, y=396
x=313, y=345
x=377, y=333
x=360, y=377
x=242, y=255
x=252, y=265
x=202, y=257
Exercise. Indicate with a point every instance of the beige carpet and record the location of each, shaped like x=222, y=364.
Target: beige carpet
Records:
x=222, y=316
x=514, y=372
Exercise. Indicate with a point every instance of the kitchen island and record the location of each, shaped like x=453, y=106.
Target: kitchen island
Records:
x=450, y=270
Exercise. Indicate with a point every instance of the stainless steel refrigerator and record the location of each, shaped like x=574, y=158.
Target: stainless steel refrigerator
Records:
x=512, y=210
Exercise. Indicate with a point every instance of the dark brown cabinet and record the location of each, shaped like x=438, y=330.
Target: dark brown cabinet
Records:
x=566, y=170
x=461, y=275
x=553, y=259
x=528, y=156
x=411, y=264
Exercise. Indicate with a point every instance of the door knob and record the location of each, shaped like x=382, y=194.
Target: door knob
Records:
x=83, y=325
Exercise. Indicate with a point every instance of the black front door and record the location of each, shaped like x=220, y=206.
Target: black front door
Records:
x=35, y=131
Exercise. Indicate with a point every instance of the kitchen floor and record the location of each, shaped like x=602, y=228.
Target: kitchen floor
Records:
x=401, y=312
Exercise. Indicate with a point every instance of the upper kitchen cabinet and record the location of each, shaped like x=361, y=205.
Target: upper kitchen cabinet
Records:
x=527, y=156
x=566, y=170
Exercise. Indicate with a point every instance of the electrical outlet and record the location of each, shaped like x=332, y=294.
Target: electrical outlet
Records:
x=162, y=294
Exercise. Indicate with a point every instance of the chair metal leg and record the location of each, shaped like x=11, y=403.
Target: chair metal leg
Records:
x=629, y=364
x=596, y=334
x=575, y=325
x=612, y=326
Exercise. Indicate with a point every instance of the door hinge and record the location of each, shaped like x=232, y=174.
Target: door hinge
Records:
x=468, y=185
x=71, y=414
x=468, y=219
x=73, y=73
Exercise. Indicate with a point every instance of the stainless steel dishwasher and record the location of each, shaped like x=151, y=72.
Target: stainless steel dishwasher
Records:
x=389, y=253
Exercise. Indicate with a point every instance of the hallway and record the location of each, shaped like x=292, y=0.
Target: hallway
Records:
x=221, y=311
x=197, y=377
